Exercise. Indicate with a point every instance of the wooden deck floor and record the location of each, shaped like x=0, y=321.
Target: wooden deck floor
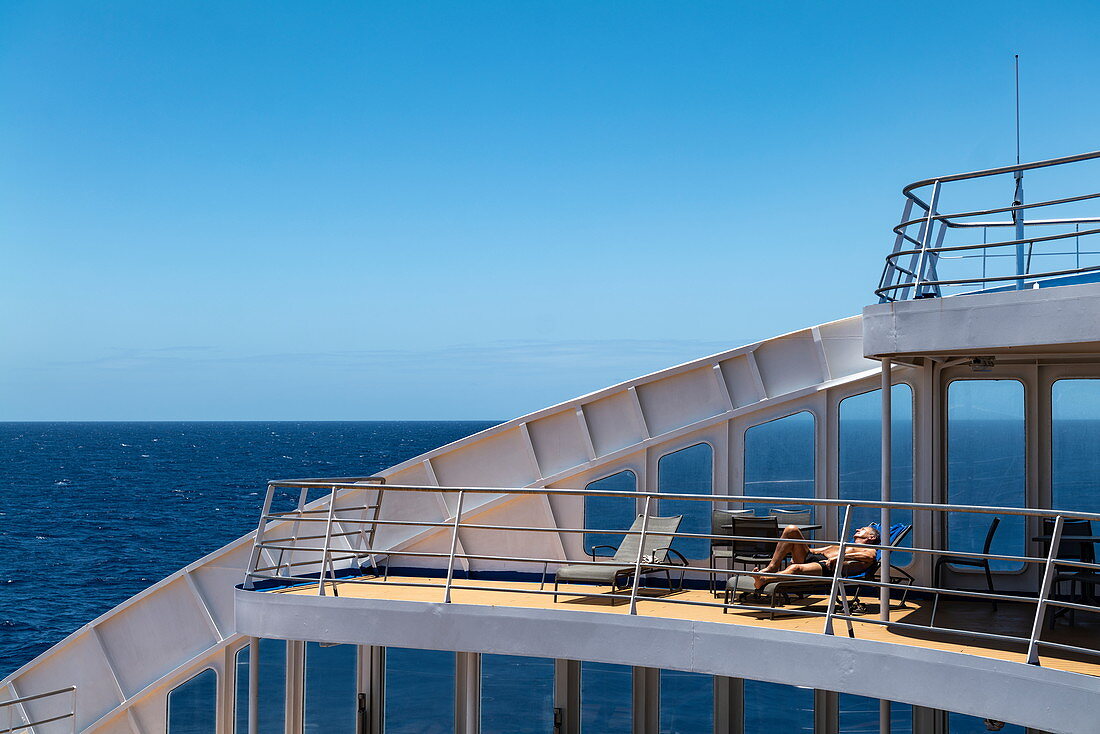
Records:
x=1008, y=619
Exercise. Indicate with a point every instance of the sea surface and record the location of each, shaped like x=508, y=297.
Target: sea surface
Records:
x=92, y=513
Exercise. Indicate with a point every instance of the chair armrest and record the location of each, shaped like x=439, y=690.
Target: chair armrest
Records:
x=683, y=561
x=593, y=551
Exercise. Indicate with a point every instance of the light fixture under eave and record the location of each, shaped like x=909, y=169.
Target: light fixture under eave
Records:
x=981, y=364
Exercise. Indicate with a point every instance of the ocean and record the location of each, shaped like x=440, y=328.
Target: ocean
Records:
x=93, y=513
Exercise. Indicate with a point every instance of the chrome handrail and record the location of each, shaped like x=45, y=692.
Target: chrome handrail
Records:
x=918, y=277
x=18, y=707
x=310, y=563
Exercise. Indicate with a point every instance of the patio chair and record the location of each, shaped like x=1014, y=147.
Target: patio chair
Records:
x=982, y=563
x=656, y=552
x=754, y=551
x=721, y=523
x=1072, y=550
x=794, y=517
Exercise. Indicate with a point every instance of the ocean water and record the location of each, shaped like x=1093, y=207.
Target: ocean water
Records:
x=92, y=513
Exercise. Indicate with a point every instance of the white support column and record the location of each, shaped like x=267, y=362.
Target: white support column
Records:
x=371, y=689
x=253, y=685
x=884, y=523
x=295, y=685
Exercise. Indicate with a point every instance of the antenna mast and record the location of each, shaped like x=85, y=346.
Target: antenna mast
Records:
x=1018, y=197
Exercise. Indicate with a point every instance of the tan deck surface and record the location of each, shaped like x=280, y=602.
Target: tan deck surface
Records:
x=1008, y=619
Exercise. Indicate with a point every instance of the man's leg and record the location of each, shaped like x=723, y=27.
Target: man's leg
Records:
x=796, y=569
x=797, y=551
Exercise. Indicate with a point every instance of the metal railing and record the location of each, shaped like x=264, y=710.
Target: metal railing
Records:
x=284, y=556
x=16, y=714
x=920, y=252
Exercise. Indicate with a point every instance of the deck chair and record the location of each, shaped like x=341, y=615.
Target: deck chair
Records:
x=898, y=533
x=721, y=523
x=781, y=590
x=657, y=556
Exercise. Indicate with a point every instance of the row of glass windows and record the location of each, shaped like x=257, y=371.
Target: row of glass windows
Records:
x=517, y=697
x=986, y=458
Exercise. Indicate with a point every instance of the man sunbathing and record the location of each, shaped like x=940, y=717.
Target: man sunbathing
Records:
x=807, y=561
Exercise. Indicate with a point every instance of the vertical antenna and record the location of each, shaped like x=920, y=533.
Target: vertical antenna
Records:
x=1018, y=197
x=1017, y=109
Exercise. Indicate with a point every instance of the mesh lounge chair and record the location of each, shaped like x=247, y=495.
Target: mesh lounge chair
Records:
x=1073, y=550
x=898, y=532
x=655, y=556
x=781, y=590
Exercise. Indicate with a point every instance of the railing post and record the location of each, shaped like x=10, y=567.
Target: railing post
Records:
x=454, y=549
x=926, y=237
x=303, y=495
x=638, y=561
x=1044, y=593
x=837, y=571
x=1018, y=220
x=256, y=550
x=326, y=549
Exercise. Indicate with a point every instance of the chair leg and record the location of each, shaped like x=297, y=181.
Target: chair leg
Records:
x=555, y=591
x=989, y=583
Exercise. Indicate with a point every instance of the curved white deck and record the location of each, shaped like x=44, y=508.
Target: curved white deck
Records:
x=1038, y=697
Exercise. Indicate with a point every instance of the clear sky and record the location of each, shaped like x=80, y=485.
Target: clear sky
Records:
x=404, y=210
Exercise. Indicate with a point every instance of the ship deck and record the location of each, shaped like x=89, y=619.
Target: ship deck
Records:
x=1008, y=619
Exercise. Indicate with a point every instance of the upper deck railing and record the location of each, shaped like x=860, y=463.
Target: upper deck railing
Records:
x=331, y=543
x=936, y=252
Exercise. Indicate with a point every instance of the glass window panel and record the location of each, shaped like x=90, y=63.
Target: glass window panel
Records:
x=272, y=693
x=859, y=715
x=420, y=691
x=517, y=695
x=193, y=705
x=861, y=456
x=607, y=696
x=986, y=452
x=963, y=724
x=609, y=513
x=774, y=707
x=1075, y=428
x=687, y=702
x=779, y=460
x=331, y=689
x=688, y=471
x=240, y=697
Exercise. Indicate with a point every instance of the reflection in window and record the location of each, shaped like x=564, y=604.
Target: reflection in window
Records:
x=861, y=456
x=687, y=471
x=859, y=715
x=1075, y=434
x=986, y=464
x=779, y=460
x=272, y=693
x=193, y=705
x=517, y=695
x=420, y=691
x=609, y=513
x=330, y=695
x=607, y=695
x=963, y=724
x=687, y=702
x=240, y=697
x=773, y=707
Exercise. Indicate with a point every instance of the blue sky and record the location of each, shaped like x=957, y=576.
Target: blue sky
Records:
x=472, y=210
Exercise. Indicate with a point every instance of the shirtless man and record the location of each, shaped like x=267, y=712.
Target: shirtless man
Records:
x=807, y=561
